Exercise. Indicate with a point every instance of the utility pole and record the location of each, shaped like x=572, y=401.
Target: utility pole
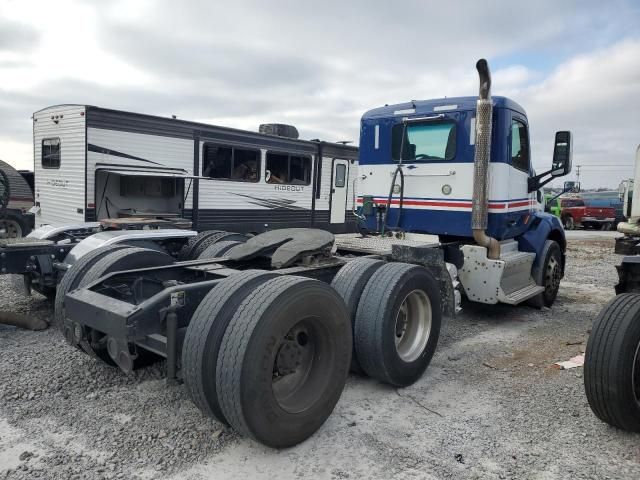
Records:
x=578, y=173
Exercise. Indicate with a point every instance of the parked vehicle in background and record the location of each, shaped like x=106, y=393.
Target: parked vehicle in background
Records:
x=15, y=219
x=609, y=198
x=575, y=213
x=552, y=204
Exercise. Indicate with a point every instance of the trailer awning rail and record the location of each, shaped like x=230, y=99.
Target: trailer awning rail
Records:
x=152, y=173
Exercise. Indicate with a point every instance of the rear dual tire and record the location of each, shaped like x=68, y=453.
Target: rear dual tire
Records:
x=397, y=323
x=93, y=266
x=272, y=363
x=350, y=282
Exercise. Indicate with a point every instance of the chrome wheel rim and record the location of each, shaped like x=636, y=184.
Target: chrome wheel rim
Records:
x=413, y=325
x=11, y=229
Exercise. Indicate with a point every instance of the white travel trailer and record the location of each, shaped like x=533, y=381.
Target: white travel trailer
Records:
x=94, y=163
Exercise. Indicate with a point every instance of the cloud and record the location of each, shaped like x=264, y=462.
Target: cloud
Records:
x=16, y=37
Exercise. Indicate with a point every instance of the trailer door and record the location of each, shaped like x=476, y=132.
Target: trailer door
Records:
x=339, y=190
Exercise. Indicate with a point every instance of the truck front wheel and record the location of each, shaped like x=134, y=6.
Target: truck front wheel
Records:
x=548, y=275
x=612, y=363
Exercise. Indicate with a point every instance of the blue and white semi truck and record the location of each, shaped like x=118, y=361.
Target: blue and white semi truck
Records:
x=460, y=168
x=264, y=331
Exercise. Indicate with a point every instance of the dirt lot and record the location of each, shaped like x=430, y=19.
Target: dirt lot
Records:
x=489, y=406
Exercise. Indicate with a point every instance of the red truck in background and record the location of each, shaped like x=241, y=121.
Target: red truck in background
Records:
x=574, y=212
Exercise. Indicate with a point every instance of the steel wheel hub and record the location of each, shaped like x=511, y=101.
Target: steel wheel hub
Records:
x=413, y=325
x=298, y=367
x=553, y=276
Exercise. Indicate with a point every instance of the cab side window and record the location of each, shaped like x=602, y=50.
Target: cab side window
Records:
x=519, y=146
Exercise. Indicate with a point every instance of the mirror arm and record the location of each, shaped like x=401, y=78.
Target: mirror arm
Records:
x=534, y=183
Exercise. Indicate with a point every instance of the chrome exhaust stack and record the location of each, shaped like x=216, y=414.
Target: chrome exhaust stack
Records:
x=480, y=204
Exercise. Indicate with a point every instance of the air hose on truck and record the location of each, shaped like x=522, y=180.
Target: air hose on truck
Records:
x=393, y=184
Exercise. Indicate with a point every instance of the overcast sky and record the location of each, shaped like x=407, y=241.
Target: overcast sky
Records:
x=319, y=65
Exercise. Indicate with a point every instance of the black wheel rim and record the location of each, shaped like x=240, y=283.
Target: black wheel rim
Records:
x=635, y=375
x=301, y=365
x=552, y=276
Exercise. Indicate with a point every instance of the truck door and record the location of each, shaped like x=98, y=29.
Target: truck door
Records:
x=519, y=198
x=339, y=189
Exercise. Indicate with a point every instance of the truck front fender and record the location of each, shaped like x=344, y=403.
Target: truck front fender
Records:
x=542, y=227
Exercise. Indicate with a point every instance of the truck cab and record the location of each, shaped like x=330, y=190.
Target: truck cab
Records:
x=437, y=138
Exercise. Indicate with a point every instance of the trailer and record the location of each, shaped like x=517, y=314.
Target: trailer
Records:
x=93, y=163
x=263, y=333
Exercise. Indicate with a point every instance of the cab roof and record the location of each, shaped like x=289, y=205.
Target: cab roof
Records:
x=440, y=105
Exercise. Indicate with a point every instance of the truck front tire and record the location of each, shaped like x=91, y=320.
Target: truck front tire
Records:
x=612, y=363
x=548, y=275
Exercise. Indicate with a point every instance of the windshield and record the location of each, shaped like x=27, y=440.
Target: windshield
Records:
x=424, y=141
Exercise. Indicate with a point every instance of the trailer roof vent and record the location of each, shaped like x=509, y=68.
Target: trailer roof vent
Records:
x=279, y=129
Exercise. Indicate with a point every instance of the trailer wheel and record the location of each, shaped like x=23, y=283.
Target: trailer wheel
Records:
x=349, y=282
x=548, y=276
x=284, y=360
x=218, y=249
x=71, y=279
x=398, y=323
x=13, y=227
x=215, y=238
x=612, y=363
x=128, y=258
x=204, y=336
x=193, y=242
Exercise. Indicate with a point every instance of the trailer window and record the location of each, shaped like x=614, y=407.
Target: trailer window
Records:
x=341, y=173
x=519, y=146
x=231, y=163
x=424, y=141
x=51, y=153
x=290, y=169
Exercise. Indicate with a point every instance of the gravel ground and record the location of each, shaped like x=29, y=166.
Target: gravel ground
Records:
x=489, y=406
